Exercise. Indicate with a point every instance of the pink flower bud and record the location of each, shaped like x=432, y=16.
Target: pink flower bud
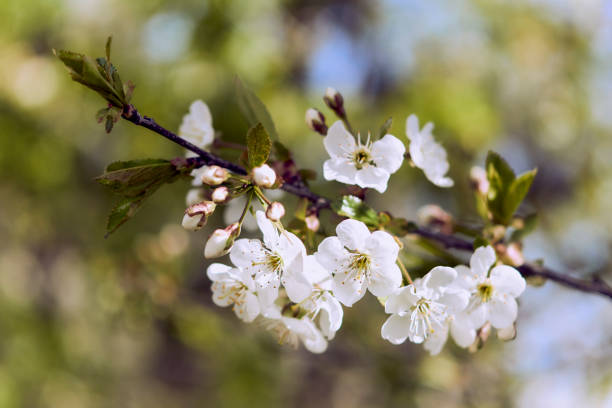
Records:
x=275, y=211
x=480, y=182
x=220, y=194
x=221, y=240
x=334, y=100
x=196, y=215
x=434, y=216
x=214, y=175
x=263, y=176
x=312, y=222
x=316, y=121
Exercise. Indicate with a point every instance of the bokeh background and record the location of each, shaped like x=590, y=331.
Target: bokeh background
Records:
x=128, y=321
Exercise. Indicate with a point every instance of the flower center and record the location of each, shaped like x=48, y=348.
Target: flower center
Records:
x=274, y=262
x=362, y=156
x=485, y=291
x=360, y=264
x=425, y=317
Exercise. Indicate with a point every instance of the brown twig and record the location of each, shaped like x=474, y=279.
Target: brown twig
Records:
x=300, y=189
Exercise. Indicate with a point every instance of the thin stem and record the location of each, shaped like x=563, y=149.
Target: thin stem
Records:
x=261, y=196
x=246, y=208
x=404, y=271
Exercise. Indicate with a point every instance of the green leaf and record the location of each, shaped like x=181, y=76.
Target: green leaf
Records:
x=506, y=191
x=258, y=145
x=122, y=212
x=385, y=127
x=352, y=207
x=254, y=109
x=135, y=181
x=517, y=192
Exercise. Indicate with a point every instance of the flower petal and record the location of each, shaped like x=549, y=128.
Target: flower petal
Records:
x=200, y=113
x=502, y=311
x=385, y=280
x=339, y=141
x=217, y=271
x=506, y=279
x=401, y=300
x=463, y=334
x=270, y=234
x=477, y=316
x=340, y=169
x=412, y=126
x=455, y=301
x=248, y=310
x=481, y=261
x=388, y=153
x=352, y=234
x=396, y=329
x=436, y=340
x=382, y=247
x=440, y=277
x=294, y=280
x=267, y=296
x=247, y=252
x=331, y=254
x=348, y=290
x=331, y=315
x=372, y=177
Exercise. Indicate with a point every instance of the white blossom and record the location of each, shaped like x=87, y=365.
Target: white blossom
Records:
x=291, y=330
x=426, y=153
x=460, y=329
x=367, y=165
x=494, y=293
x=319, y=302
x=271, y=261
x=234, y=286
x=421, y=309
x=197, y=126
x=360, y=260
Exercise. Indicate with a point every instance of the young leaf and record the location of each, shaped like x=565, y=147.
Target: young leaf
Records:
x=517, y=192
x=258, y=145
x=385, y=127
x=506, y=191
x=90, y=73
x=353, y=207
x=253, y=109
x=135, y=181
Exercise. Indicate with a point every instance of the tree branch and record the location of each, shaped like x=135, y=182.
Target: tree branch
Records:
x=300, y=189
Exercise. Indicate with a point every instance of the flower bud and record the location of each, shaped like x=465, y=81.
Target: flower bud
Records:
x=275, y=211
x=312, y=222
x=214, y=175
x=513, y=254
x=194, y=196
x=196, y=215
x=316, y=121
x=435, y=216
x=263, y=176
x=220, y=194
x=221, y=240
x=335, y=101
x=479, y=180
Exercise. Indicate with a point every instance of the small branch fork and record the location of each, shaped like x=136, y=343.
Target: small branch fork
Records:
x=300, y=189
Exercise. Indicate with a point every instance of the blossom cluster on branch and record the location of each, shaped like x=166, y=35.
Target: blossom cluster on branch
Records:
x=297, y=278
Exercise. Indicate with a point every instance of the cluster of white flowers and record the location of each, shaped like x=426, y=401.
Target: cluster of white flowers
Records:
x=458, y=300
x=370, y=164
x=276, y=284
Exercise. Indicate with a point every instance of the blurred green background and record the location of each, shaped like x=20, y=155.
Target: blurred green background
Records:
x=128, y=321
